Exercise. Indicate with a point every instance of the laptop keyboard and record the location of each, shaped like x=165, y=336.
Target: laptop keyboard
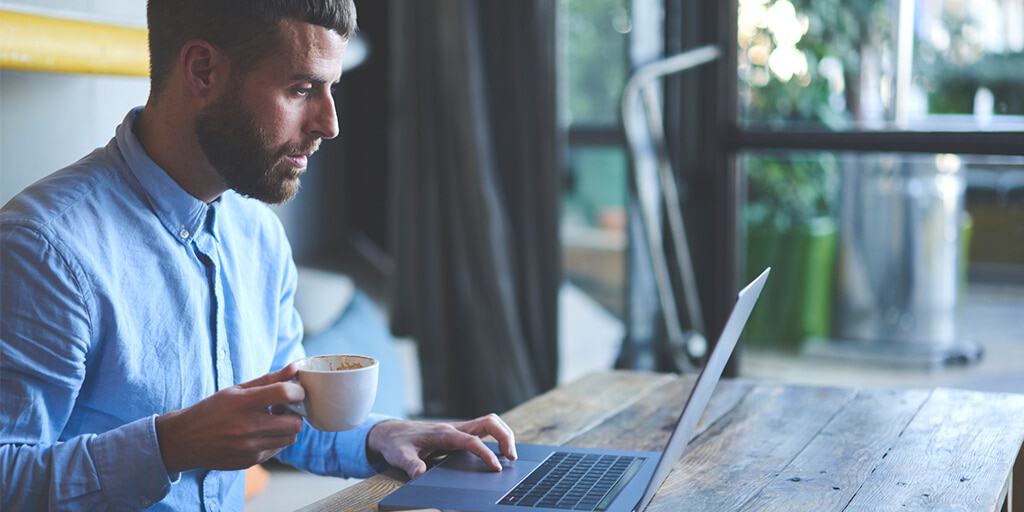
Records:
x=574, y=481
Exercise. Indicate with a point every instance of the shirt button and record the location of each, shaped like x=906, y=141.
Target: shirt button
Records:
x=183, y=233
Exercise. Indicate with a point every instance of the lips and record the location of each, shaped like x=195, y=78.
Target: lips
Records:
x=299, y=160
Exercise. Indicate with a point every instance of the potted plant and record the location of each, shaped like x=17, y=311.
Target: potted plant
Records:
x=802, y=63
x=790, y=226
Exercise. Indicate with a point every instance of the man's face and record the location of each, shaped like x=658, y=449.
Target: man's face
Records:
x=259, y=134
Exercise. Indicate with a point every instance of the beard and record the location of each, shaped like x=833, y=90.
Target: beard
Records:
x=242, y=154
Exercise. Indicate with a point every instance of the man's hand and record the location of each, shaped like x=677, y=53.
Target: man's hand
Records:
x=233, y=428
x=404, y=444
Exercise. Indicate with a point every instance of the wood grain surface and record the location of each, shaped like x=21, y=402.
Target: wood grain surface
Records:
x=831, y=468
x=956, y=454
x=656, y=416
x=770, y=427
x=761, y=446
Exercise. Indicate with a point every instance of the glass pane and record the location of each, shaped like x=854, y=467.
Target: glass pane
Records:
x=593, y=224
x=995, y=201
x=790, y=224
x=873, y=64
x=595, y=57
x=884, y=266
x=969, y=61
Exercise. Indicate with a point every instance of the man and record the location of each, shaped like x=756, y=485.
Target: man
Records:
x=147, y=291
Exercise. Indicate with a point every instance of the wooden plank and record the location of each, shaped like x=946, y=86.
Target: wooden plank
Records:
x=830, y=470
x=956, y=454
x=656, y=416
x=551, y=418
x=561, y=414
x=741, y=454
x=361, y=496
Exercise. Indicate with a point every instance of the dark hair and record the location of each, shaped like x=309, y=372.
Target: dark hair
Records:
x=245, y=30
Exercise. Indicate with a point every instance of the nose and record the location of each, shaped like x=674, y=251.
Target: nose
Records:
x=324, y=123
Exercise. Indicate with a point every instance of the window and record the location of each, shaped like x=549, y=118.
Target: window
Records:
x=595, y=37
x=872, y=140
x=881, y=64
x=818, y=101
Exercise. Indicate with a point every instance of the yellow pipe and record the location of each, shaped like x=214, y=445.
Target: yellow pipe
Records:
x=29, y=42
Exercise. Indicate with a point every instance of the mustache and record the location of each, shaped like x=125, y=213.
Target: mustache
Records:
x=302, y=150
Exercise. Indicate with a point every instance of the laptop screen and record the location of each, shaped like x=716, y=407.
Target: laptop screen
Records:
x=705, y=386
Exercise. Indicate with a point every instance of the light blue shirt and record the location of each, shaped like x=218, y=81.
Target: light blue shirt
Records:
x=123, y=297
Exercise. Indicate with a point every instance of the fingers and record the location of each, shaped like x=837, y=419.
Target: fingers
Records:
x=492, y=425
x=279, y=425
x=282, y=375
x=453, y=439
x=410, y=462
x=277, y=393
x=403, y=443
x=267, y=443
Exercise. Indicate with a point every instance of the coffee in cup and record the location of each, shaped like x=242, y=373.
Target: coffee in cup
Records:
x=340, y=390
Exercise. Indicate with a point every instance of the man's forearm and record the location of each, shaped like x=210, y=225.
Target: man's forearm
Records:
x=117, y=469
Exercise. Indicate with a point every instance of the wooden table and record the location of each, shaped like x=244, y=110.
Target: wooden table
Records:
x=765, y=446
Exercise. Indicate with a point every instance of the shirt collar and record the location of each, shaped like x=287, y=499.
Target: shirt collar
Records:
x=181, y=213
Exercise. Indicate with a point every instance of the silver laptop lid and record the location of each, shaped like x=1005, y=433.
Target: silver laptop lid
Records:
x=705, y=386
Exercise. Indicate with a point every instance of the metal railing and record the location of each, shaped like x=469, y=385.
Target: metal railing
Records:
x=656, y=187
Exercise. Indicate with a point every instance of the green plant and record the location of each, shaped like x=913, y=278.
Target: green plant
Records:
x=952, y=71
x=790, y=226
x=952, y=86
x=787, y=192
x=820, y=45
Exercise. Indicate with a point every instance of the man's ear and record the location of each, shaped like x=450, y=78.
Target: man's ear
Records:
x=204, y=68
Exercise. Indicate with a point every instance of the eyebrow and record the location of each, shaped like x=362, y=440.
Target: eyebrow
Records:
x=319, y=80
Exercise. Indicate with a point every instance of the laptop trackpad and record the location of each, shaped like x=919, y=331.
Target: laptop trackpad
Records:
x=466, y=471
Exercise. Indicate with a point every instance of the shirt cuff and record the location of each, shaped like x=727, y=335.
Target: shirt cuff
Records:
x=131, y=470
x=362, y=466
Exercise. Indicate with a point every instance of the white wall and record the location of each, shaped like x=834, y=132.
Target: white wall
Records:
x=48, y=121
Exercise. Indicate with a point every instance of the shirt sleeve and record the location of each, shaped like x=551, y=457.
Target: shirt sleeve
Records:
x=44, y=340
x=340, y=454
x=324, y=453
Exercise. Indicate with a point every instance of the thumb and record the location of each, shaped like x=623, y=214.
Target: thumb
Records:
x=282, y=375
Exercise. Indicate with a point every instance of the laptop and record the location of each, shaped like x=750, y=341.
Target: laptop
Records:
x=546, y=477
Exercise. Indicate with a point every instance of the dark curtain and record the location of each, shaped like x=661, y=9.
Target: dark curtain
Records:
x=475, y=183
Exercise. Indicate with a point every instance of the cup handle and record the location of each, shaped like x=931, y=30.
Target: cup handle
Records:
x=297, y=407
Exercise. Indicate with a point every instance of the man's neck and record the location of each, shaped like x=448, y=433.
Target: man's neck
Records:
x=169, y=138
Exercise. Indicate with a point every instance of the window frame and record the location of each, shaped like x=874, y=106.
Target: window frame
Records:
x=711, y=165
x=705, y=137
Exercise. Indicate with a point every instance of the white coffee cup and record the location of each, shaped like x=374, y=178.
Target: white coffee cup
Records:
x=340, y=390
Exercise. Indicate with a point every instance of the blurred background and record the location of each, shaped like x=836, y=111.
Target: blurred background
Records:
x=488, y=227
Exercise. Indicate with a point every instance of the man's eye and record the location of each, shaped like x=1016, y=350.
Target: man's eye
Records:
x=304, y=91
